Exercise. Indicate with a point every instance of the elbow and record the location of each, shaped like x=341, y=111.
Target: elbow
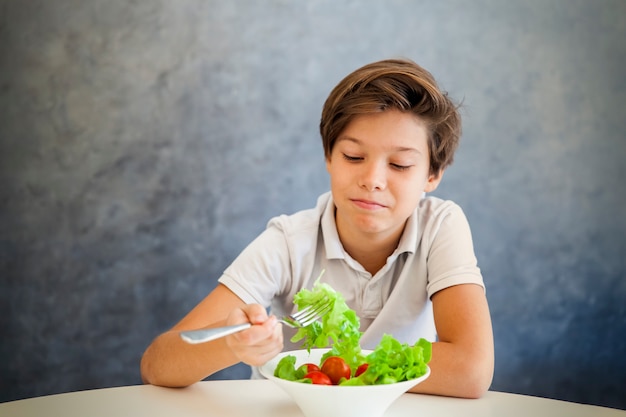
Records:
x=146, y=368
x=475, y=389
x=469, y=379
x=153, y=374
x=149, y=376
x=477, y=380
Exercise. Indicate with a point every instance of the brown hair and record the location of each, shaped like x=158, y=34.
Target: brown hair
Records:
x=394, y=84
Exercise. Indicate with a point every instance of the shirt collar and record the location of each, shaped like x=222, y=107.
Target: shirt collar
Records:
x=332, y=244
x=408, y=241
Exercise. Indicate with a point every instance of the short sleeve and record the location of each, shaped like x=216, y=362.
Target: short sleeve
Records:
x=257, y=274
x=451, y=258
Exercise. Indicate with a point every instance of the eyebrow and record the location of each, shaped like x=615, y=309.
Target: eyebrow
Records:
x=396, y=149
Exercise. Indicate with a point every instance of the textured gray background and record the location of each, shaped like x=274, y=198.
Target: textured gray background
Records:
x=145, y=143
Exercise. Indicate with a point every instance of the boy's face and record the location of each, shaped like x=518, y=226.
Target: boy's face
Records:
x=378, y=169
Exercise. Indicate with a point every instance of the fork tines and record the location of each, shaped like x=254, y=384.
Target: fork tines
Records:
x=313, y=312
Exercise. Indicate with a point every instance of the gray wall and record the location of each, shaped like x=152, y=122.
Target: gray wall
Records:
x=144, y=144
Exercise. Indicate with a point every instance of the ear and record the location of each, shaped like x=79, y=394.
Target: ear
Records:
x=328, y=164
x=433, y=182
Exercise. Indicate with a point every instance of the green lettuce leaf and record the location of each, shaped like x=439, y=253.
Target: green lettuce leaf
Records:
x=338, y=329
x=392, y=361
x=286, y=369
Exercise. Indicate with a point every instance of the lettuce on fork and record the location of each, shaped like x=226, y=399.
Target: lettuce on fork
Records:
x=391, y=361
x=339, y=328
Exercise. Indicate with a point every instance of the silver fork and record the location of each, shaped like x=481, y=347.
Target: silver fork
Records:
x=302, y=318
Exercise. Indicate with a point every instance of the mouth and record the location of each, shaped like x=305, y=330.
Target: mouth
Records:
x=367, y=204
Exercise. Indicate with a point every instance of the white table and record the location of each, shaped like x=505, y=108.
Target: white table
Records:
x=261, y=398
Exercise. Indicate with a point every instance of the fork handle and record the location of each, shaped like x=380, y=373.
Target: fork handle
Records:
x=206, y=335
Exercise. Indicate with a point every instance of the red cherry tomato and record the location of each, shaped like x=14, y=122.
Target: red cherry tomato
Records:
x=308, y=367
x=336, y=368
x=362, y=368
x=319, y=378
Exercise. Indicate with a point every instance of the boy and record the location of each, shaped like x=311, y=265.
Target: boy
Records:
x=404, y=262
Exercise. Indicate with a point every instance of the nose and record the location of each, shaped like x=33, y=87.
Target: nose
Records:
x=373, y=176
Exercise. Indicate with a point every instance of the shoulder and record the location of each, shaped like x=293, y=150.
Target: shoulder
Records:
x=433, y=208
x=436, y=215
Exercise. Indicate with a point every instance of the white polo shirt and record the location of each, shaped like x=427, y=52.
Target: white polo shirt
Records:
x=435, y=252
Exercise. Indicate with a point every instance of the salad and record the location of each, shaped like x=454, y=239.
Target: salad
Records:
x=345, y=363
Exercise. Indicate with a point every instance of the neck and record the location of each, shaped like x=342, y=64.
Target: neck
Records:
x=370, y=250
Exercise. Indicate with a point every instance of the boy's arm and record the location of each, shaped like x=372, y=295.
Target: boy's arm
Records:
x=463, y=357
x=169, y=361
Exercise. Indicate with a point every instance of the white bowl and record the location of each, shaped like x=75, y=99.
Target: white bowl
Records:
x=336, y=400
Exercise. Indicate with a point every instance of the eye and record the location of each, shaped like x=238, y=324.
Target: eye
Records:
x=350, y=158
x=401, y=167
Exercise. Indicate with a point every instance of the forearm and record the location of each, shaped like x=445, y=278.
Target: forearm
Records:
x=458, y=371
x=171, y=362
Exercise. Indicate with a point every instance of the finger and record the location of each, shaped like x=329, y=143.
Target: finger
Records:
x=259, y=334
x=273, y=344
x=257, y=345
x=261, y=359
x=256, y=313
x=260, y=354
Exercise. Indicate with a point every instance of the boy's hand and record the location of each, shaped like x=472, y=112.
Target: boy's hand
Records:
x=261, y=342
